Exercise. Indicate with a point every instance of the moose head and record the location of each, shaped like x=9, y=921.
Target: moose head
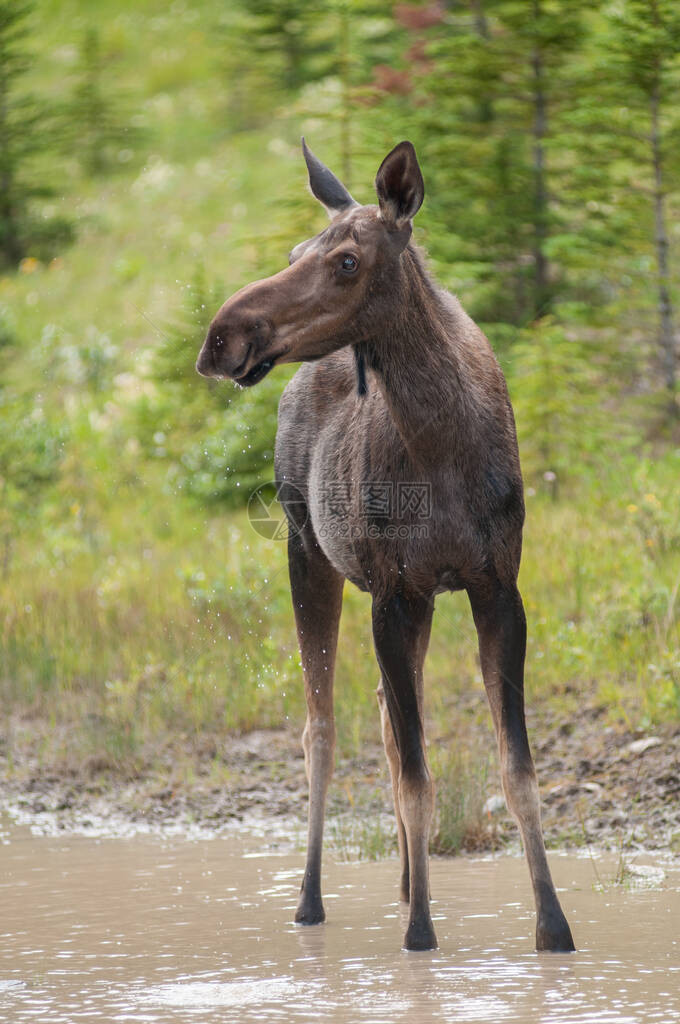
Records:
x=339, y=287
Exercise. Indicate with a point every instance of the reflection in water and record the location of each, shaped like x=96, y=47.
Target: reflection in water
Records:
x=156, y=930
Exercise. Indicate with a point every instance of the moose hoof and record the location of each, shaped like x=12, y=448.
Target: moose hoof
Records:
x=553, y=934
x=310, y=912
x=420, y=935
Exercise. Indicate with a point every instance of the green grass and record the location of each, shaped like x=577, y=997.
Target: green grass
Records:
x=144, y=616
x=462, y=774
x=132, y=613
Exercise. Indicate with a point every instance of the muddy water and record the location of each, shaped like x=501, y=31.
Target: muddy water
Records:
x=157, y=930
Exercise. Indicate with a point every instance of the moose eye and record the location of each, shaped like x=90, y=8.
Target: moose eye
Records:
x=349, y=264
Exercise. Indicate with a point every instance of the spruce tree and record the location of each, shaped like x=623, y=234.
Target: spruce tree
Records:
x=269, y=50
x=490, y=121
x=96, y=125
x=25, y=134
x=645, y=43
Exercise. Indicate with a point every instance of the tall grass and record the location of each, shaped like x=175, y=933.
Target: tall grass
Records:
x=145, y=618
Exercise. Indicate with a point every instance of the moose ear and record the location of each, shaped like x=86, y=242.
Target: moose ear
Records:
x=328, y=189
x=400, y=187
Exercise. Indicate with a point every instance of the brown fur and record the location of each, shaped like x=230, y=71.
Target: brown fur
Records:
x=436, y=413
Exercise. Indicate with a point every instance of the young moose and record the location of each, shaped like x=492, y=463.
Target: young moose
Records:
x=399, y=389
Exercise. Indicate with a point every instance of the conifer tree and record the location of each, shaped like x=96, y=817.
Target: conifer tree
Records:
x=270, y=49
x=96, y=124
x=25, y=134
x=491, y=121
x=645, y=41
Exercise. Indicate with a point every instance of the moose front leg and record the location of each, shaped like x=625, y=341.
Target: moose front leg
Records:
x=400, y=625
x=317, y=601
x=501, y=628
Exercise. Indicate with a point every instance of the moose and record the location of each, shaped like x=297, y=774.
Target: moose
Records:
x=398, y=391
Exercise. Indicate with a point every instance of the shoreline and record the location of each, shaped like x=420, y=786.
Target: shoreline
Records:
x=602, y=786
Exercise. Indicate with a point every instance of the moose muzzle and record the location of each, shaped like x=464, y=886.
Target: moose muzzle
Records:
x=236, y=347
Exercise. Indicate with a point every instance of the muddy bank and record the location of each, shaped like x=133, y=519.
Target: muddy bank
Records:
x=601, y=784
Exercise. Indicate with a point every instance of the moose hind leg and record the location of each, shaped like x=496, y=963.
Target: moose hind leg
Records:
x=392, y=755
x=317, y=600
x=399, y=624
x=501, y=628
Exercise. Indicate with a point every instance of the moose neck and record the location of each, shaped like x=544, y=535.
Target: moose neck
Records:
x=417, y=367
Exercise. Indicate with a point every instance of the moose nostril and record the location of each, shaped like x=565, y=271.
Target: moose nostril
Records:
x=241, y=366
x=219, y=342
